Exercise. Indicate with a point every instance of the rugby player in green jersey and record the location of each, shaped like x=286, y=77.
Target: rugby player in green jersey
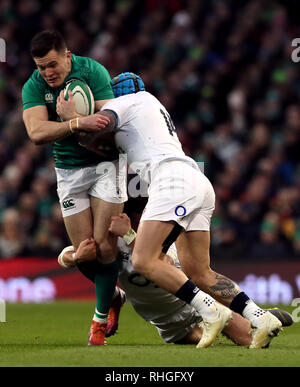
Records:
x=86, y=204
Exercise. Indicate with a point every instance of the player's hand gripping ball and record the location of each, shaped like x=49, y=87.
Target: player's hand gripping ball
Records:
x=102, y=141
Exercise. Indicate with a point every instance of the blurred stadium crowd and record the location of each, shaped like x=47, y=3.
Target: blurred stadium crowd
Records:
x=222, y=68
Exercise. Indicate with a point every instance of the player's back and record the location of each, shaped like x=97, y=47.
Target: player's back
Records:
x=145, y=130
x=149, y=301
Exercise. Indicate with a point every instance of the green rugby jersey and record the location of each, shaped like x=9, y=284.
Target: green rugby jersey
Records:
x=68, y=154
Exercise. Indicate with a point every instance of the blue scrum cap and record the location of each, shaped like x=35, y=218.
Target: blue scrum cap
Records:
x=127, y=83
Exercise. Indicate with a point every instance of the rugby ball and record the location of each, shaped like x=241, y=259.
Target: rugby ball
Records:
x=83, y=96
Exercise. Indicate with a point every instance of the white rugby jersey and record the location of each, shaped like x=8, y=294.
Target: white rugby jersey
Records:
x=149, y=301
x=145, y=130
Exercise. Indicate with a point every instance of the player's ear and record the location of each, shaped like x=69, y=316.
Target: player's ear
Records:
x=68, y=54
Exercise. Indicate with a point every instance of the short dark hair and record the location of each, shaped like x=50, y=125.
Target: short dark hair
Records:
x=45, y=41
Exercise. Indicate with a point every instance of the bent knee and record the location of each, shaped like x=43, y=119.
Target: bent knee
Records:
x=106, y=251
x=137, y=263
x=140, y=265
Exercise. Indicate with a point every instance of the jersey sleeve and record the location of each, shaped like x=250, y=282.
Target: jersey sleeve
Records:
x=100, y=82
x=32, y=95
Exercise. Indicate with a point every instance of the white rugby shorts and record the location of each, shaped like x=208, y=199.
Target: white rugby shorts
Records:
x=177, y=325
x=180, y=192
x=105, y=181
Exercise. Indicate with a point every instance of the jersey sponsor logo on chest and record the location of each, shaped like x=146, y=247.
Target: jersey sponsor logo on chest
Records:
x=49, y=98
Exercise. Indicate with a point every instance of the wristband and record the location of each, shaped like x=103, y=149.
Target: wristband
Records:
x=61, y=262
x=73, y=124
x=61, y=257
x=129, y=236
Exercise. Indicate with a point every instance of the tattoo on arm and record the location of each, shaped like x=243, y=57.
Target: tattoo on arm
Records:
x=225, y=287
x=113, y=120
x=101, y=141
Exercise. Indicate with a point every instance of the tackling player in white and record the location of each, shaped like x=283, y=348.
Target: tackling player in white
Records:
x=175, y=321
x=180, y=205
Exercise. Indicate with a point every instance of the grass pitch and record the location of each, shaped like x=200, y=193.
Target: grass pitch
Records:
x=55, y=335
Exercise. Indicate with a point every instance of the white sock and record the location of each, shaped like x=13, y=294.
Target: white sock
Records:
x=205, y=305
x=116, y=293
x=252, y=312
x=99, y=317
